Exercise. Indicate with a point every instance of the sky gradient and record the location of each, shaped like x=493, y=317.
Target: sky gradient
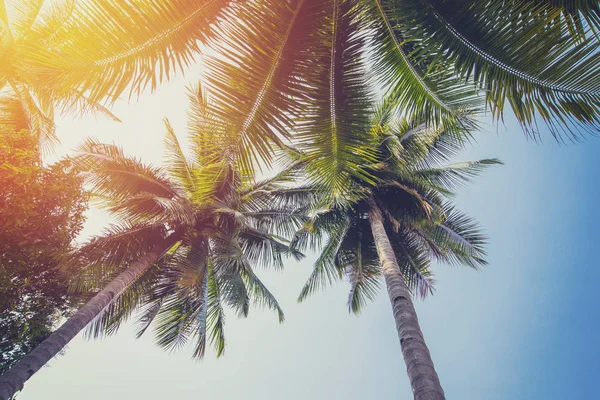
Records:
x=524, y=327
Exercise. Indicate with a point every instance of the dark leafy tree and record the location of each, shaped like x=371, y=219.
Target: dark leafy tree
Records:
x=41, y=212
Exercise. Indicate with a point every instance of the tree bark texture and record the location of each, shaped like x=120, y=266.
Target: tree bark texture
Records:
x=421, y=372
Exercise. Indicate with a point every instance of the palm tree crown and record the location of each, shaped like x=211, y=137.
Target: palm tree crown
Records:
x=227, y=222
x=405, y=175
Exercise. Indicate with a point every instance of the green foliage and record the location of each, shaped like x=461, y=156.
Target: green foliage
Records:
x=229, y=224
x=540, y=57
x=410, y=184
x=41, y=212
x=65, y=55
x=279, y=60
x=435, y=58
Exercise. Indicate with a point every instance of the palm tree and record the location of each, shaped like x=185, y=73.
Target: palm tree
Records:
x=379, y=207
x=77, y=56
x=185, y=245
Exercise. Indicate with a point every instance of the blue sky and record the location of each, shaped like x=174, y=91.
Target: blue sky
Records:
x=525, y=327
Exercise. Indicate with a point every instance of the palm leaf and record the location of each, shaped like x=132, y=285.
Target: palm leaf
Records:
x=254, y=85
x=179, y=168
x=163, y=38
x=433, y=96
x=451, y=176
x=333, y=134
x=326, y=269
x=536, y=66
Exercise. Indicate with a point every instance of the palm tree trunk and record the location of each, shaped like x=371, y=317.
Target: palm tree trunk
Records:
x=14, y=378
x=421, y=372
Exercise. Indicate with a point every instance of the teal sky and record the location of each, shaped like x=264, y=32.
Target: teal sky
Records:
x=525, y=327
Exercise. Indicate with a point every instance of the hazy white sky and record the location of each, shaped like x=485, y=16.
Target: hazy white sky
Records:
x=490, y=332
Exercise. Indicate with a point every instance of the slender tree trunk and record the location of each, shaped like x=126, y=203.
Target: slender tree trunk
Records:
x=421, y=372
x=13, y=379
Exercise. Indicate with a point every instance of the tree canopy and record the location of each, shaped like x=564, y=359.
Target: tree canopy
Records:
x=41, y=212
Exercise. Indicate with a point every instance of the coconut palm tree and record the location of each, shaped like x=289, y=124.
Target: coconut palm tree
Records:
x=187, y=238
x=379, y=208
x=76, y=56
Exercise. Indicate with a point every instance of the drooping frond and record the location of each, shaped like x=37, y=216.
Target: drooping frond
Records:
x=179, y=319
x=79, y=105
x=226, y=266
x=414, y=264
x=264, y=249
x=109, y=320
x=358, y=258
x=326, y=269
x=431, y=95
x=215, y=316
x=525, y=53
x=182, y=292
x=255, y=85
x=115, y=175
x=107, y=254
x=106, y=47
x=12, y=112
x=459, y=237
x=364, y=282
x=38, y=111
x=148, y=313
x=333, y=134
x=259, y=292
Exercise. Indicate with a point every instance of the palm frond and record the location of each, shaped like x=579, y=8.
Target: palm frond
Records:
x=178, y=166
x=253, y=84
x=12, y=112
x=433, y=96
x=460, y=238
x=259, y=292
x=264, y=249
x=215, y=316
x=414, y=264
x=164, y=38
x=325, y=269
x=449, y=177
x=151, y=209
x=183, y=292
x=176, y=321
x=111, y=173
x=104, y=256
x=358, y=259
x=536, y=66
x=119, y=311
x=333, y=133
x=20, y=16
x=39, y=113
x=225, y=263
